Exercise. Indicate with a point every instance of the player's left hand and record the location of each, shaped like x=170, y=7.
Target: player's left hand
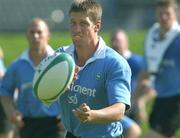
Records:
x=83, y=113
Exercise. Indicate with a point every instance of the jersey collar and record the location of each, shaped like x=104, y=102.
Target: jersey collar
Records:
x=98, y=54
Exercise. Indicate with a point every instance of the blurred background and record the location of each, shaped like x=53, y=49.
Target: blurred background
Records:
x=135, y=16
x=129, y=14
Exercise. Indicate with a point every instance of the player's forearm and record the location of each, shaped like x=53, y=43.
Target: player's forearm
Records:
x=143, y=86
x=110, y=114
x=8, y=105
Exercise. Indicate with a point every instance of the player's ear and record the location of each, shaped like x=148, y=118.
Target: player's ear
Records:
x=97, y=26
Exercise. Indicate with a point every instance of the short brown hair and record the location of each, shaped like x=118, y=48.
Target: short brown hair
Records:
x=167, y=3
x=90, y=7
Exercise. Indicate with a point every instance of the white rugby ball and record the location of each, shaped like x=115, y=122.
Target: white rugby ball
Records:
x=53, y=76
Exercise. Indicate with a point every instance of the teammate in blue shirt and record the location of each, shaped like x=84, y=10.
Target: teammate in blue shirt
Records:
x=162, y=48
x=34, y=119
x=6, y=128
x=119, y=42
x=97, y=100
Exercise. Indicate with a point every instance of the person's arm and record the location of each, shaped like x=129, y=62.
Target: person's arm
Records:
x=7, y=89
x=12, y=114
x=143, y=93
x=144, y=88
x=109, y=114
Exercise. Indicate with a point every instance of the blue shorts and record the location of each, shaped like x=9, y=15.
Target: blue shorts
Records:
x=127, y=122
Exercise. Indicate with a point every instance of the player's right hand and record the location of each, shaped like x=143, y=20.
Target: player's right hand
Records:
x=17, y=119
x=77, y=69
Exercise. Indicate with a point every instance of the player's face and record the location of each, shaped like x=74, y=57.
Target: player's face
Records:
x=38, y=35
x=83, y=30
x=166, y=16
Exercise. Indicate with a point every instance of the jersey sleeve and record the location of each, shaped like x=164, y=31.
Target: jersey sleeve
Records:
x=8, y=82
x=119, y=82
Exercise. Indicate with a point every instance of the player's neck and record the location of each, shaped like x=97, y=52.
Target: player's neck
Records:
x=37, y=55
x=163, y=31
x=84, y=53
x=82, y=56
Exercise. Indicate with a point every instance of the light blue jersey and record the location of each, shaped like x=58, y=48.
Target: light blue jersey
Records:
x=103, y=80
x=19, y=76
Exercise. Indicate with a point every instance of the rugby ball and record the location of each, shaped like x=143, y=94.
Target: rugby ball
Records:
x=53, y=76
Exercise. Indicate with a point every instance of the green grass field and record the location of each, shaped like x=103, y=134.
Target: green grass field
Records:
x=14, y=43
